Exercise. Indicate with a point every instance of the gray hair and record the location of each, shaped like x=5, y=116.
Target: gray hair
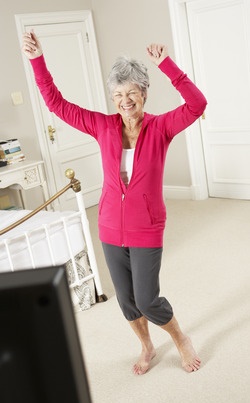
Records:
x=126, y=70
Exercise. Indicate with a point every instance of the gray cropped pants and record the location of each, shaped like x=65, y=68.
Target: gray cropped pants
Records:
x=135, y=275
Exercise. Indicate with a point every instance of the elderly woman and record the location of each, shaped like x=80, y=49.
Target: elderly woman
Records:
x=132, y=213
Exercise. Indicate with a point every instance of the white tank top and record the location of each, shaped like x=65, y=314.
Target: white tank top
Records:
x=127, y=165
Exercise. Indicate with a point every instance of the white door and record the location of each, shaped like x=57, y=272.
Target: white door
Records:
x=70, y=51
x=219, y=32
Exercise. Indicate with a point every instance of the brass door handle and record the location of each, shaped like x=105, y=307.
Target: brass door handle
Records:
x=51, y=131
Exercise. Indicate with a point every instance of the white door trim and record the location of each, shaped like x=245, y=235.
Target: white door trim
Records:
x=178, y=16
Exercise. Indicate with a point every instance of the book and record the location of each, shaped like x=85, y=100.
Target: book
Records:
x=10, y=151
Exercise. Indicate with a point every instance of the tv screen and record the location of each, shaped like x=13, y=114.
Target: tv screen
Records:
x=41, y=360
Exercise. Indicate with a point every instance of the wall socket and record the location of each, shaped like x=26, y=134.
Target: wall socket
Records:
x=17, y=98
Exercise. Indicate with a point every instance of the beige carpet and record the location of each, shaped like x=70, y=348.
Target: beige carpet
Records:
x=206, y=276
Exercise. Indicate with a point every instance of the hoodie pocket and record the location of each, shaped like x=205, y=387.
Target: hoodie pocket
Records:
x=149, y=209
x=101, y=203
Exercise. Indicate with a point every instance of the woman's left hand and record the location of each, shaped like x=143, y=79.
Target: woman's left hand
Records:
x=157, y=53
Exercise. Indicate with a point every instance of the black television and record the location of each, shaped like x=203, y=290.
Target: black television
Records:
x=41, y=360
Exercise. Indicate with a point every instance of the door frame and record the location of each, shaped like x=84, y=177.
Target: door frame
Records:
x=23, y=20
x=182, y=47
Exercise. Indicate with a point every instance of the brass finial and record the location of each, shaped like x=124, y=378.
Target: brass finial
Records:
x=70, y=173
x=75, y=183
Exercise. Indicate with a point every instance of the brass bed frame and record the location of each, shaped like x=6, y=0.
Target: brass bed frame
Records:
x=75, y=185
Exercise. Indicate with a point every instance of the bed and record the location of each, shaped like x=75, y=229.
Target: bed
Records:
x=39, y=238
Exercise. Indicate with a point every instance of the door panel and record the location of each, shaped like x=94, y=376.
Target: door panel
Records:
x=220, y=40
x=71, y=57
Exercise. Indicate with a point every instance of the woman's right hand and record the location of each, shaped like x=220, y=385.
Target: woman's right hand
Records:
x=31, y=45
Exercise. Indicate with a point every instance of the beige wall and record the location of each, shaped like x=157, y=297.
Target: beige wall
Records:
x=121, y=27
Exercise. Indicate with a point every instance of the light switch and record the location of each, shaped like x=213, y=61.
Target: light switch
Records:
x=17, y=98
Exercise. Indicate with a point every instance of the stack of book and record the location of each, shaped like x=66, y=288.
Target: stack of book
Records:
x=10, y=151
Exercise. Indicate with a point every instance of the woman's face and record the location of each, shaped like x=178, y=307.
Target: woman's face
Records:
x=129, y=100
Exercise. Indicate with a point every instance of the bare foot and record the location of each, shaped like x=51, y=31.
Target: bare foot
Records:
x=143, y=364
x=190, y=360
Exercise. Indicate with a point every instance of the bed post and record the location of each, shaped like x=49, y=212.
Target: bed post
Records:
x=76, y=186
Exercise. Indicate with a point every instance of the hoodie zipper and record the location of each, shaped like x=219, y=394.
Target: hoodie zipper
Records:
x=122, y=217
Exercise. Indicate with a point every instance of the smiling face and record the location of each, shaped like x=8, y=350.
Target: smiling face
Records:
x=129, y=100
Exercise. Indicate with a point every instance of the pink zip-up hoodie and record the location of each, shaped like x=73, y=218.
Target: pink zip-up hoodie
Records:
x=135, y=215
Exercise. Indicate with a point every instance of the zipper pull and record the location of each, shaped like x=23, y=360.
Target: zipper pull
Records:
x=123, y=196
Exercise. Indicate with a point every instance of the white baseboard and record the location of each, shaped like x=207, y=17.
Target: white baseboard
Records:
x=184, y=193
x=177, y=192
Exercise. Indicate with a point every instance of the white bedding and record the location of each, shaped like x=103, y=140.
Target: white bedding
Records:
x=35, y=228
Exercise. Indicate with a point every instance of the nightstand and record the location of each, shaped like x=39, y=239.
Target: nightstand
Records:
x=24, y=175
